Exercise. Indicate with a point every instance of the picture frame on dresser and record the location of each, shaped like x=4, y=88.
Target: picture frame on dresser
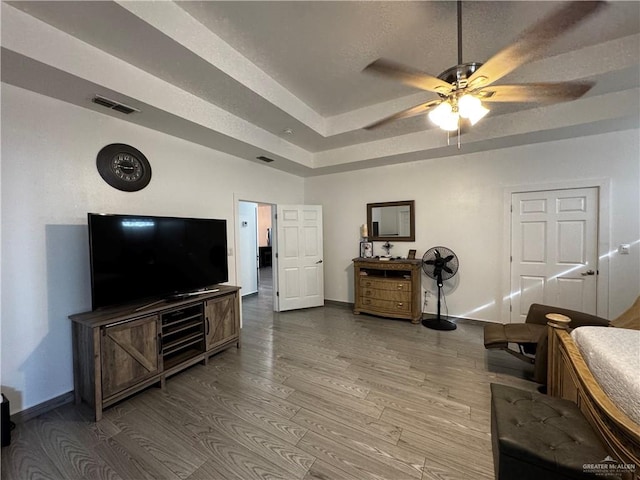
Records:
x=366, y=249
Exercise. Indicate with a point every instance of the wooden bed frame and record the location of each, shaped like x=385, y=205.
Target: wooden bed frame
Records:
x=569, y=377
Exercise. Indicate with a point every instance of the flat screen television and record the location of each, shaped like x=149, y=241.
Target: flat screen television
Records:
x=137, y=257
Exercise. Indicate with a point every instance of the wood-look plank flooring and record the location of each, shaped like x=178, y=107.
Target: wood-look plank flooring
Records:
x=311, y=394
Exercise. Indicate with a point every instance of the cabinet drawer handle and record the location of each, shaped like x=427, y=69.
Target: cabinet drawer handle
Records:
x=399, y=305
x=367, y=301
x=367, y=293
x=400, y=286
x=208, y=326
x=367, y=284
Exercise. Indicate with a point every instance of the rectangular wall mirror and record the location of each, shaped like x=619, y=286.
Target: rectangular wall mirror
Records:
x=391, y=221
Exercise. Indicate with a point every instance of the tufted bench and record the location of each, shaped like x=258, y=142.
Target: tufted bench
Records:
x=537, y=437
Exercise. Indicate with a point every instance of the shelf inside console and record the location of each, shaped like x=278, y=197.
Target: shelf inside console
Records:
x=372, y=272
x=182, y=334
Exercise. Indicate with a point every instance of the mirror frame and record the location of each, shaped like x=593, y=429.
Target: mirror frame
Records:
x=412, y=221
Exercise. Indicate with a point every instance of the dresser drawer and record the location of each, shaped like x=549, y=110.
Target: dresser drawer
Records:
x=391, y=295
x=388, y=288
x=395, y=284
x=386, y=305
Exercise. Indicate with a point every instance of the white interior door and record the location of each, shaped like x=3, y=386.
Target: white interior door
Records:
x=300, y=278
x=248, y=239
x=554, y=245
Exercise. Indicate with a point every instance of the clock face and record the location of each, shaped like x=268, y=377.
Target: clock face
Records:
x=124, y=167
x=127, y=167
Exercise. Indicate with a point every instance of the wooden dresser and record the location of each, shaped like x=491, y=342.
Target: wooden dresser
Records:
x=388, y=288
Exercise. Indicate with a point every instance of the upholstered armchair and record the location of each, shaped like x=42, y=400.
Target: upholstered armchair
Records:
x=531, y=337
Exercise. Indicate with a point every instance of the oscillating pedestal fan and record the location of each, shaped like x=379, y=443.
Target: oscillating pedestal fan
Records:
x=439, y=263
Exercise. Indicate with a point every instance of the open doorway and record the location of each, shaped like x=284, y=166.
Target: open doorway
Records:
x=295, y=278
x=265, y=250
x=255, y=240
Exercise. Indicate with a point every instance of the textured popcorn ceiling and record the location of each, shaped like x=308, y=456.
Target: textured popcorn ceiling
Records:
x=236, y=75
x=314, y=48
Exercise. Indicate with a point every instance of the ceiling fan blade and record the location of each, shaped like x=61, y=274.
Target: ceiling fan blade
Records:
x=533, y=41
x=447, y=269
x=448, y=258
x=534, y=92
x=409, y=76
x=430, y=262
x=409, y=112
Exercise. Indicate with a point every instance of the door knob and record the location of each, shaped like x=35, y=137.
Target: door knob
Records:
x=588, y=272
x=319, y=261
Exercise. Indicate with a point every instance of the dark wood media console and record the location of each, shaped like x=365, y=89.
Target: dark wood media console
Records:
x=120, y=351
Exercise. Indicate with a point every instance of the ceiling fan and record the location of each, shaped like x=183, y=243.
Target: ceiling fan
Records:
x=464, y=87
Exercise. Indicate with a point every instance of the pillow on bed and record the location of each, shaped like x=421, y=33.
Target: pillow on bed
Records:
x=630, y=318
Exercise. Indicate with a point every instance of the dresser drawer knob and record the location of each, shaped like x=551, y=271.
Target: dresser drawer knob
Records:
x=399, y=305
x=367, y=293
x=400, y=286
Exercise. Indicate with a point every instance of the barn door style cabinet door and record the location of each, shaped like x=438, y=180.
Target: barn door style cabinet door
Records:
x=129, y=354
x=119, y=351
x=222, y=323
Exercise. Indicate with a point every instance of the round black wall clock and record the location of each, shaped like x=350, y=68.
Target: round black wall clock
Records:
x=124, y=167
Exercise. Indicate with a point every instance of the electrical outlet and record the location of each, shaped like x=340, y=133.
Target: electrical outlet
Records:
x=624, y=249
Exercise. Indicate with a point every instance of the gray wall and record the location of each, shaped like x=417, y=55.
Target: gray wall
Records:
x=50, y=182
x=460, y=203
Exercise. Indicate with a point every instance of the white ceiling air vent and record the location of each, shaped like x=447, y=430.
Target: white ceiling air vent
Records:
x=265, y=159
x=113, y=105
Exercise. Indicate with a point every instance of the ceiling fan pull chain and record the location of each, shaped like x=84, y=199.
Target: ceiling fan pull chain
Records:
x=459, y=32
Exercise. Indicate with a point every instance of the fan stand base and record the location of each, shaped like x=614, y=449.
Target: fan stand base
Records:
x=435, y=323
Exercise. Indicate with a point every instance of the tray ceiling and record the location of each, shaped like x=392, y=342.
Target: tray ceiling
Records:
x=284, y=79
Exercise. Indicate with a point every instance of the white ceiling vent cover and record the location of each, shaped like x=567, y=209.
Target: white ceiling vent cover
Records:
x=113, y=105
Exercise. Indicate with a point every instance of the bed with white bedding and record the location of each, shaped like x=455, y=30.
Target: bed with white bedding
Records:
x=602, y=377
x=613, y=356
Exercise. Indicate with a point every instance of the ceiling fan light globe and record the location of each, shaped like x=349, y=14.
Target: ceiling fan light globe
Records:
x=478, y=115
x=467, y=104
x=450, y=122
x=440, y=113
x=471, y=107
